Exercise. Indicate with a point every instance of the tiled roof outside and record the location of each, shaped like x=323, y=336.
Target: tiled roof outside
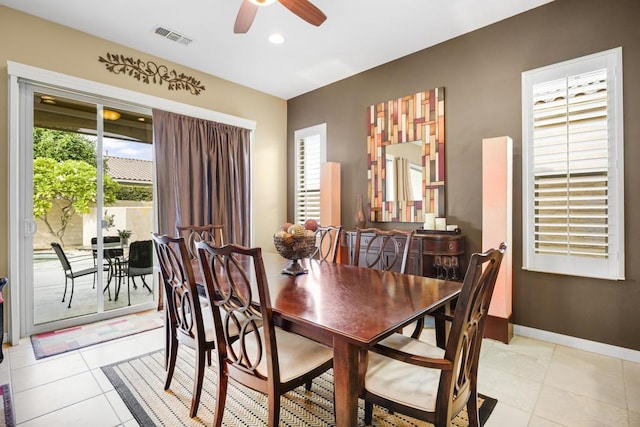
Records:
x=130, y=170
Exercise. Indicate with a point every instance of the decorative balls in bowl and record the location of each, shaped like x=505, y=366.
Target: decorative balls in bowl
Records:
x=295, y=243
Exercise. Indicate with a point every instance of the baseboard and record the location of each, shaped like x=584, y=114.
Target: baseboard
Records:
x=579, y=343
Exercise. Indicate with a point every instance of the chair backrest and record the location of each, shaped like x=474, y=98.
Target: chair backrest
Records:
x=327, y=242
x=197, y=233
x=382, y=249
x=467, y=328
x=61, y=256
x=232, y=273
x=181, y=295
x=141, y=254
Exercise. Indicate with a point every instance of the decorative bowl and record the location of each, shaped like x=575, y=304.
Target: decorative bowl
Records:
x=294, y=247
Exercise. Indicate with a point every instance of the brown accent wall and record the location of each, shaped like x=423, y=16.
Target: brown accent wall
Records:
x=481, y=74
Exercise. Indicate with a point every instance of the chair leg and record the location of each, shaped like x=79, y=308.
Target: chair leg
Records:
x=71, y=296
x=221, y=394
x=171, y=361
x=118, y=282
x=64, y=295
x=308, y=385
x=144, y=283
x=368, y=412
x=441, y=332
x=472, y=409
x=129, y=290
x=197, y=383
x=107, y=288
x=273, y=418
x=167, y=340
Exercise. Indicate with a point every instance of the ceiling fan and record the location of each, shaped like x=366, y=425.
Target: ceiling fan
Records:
x=303, y=8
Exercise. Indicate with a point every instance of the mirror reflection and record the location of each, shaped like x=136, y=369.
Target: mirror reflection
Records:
x=403, y=177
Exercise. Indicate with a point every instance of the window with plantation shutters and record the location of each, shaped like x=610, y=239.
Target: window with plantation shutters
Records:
x=573, y=167
x=310, y=146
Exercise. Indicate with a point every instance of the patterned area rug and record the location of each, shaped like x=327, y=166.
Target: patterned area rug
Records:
x=56, y=342
x=140, y=381
x=6, y=410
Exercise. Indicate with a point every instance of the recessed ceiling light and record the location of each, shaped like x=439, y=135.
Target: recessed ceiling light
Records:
x=276, y=38
x=141, y=119
x=262, y=2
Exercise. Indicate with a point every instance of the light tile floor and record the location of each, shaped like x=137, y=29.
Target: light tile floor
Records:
x=537, y=384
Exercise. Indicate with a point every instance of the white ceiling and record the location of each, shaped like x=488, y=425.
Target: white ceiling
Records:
x=357, y=35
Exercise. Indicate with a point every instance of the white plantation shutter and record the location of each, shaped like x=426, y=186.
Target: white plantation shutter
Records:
x=572, y=165
x=309, y=155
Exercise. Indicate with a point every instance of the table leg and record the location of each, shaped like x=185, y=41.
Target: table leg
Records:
x=345, y=373
x=442, y=325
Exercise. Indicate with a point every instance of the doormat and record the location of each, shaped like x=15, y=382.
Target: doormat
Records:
x=56, y=342
x=140, y=384
x=7, y=414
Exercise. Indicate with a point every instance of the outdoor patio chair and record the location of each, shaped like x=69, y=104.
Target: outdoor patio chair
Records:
x=139, y=264
x=68, y=271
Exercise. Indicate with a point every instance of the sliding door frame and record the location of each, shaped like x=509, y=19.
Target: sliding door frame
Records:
x=19, y=73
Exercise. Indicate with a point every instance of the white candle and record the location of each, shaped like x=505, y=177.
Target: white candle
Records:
x=429, y=221
x=441, y=224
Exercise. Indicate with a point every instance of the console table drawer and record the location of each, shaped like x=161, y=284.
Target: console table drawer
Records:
x=442, y=245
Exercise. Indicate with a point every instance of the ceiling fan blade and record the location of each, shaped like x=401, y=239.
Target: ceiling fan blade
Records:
x=245, y=17
x=305, y=10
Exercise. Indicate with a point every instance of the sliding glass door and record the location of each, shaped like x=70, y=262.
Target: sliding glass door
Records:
x=88, y=181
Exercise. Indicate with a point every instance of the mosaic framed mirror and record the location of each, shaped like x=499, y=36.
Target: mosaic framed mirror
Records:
x=405, y=148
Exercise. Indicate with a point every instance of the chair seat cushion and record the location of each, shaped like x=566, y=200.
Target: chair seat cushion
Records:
x=140, y=271
x=401, y=382
x=296, y=355
x=84, y=272
x=209, y=328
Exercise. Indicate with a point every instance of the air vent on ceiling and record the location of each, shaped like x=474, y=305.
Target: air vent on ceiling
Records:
x=172, y=35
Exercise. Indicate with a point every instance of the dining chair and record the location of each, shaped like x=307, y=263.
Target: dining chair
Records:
x=327, y=242
x=68, y=271
x=423, y=381
x=264, y=358
x=382, y=249
x=385, y=250
x=139, y=263
x=188, y=320
x=196, y=233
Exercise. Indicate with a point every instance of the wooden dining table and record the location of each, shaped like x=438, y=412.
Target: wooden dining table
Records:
x=349, y=308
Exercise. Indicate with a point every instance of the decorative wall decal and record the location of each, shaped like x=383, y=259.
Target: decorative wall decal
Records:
x=149, y=71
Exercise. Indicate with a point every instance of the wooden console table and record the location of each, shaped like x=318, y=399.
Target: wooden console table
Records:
x=442, y=255
x=439, y=255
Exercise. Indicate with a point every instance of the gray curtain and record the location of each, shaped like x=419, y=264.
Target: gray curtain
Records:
x=202, y=170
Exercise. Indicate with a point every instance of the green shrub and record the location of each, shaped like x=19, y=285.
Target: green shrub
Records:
x=134, y=192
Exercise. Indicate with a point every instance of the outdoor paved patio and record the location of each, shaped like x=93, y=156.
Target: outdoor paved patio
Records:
x=48, y=277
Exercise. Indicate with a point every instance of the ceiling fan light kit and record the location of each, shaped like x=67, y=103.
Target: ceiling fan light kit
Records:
x=303, y=8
